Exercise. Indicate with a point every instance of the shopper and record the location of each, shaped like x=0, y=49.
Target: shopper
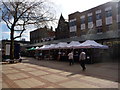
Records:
x=82, y=59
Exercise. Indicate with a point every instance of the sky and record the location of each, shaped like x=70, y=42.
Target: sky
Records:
x=65, y=7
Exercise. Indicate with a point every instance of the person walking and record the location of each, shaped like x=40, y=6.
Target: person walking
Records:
x=70, y=57
x=82, y=59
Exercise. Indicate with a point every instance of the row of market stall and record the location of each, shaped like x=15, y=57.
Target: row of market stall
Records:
x=72, y=44
x=60, y=51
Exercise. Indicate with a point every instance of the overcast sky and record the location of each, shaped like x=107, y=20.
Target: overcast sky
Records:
x=65, y=7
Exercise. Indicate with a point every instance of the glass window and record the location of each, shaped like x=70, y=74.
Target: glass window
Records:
x=98, y=16
x=109, y=27
x=73, y=23
x=119, y=25
x=99, y=29
x=89, y=18
x=109, y=13
x=82, y=20
x=118, y=7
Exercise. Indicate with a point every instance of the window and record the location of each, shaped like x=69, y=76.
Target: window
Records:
x=119, y=10
x=119, y=25
x=98, y=16
x=119, y=7
x=82, y=20
x=89, y=18
x=72, y=23
x=109, y=27
x=109, y=13
x=99, y=29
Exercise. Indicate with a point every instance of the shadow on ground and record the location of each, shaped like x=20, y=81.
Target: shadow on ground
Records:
x=107, y=70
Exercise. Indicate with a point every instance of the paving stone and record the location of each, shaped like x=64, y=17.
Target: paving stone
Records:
x=101, y=82
x=29, y=69
x=8, y=68
x=76, y=84
x=31, y=65
x=37, y=73
x=4, y=85
x=10, y=71
x=54, y=78
x=28, y=83
x=50, y=87
x=0, y=85
x=43, y=68
x=54, y=70
x=20, y=66
x=17, y=76
x=65, y=73
x=75, y=75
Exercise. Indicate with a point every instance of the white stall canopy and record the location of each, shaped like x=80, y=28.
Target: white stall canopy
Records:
x=73, y=44
x=92, y=44
x=61, y=45
x=52, y=46
x=44, y=47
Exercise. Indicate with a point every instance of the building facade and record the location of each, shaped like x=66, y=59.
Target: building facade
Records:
x=99, y=23
x=62, y=31
x=42, y=35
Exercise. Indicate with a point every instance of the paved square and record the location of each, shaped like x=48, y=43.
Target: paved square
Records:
x=43, y=68
x=10, y=71
x=65, y=73
x=38, y=73
x=28, y=83
x=100, y=82
x=4, y=85
x=17, y=76
x=20, y=66
x=53, y=74
x=76, y=84
x=75, y=75
x=53, y=78
x=54, y=70
x=29, y=69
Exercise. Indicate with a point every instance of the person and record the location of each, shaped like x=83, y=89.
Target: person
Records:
x=70, y=57
x=59, y=55
x=40, y=56
x=82, y=59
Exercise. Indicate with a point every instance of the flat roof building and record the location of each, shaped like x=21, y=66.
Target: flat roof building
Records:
x=42, y=35
x=100, y=23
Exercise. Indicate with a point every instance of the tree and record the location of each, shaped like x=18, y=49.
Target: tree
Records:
x=19, y=14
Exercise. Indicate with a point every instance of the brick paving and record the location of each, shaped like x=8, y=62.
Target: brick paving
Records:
x=32, y=73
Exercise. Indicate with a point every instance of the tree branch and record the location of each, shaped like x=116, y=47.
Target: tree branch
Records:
x=6, y=22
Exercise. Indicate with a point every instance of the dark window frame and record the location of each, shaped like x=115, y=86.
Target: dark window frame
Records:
x=90, y=18
x=108, y=13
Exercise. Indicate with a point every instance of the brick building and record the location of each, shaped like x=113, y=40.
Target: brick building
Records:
x=101, y=23
x=41, y=35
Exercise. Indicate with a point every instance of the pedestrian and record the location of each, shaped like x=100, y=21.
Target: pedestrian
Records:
x=70, y=57
x=82, y=60
x=59, y=56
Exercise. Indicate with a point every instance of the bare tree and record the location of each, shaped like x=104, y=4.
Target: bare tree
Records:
x=19, y=14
